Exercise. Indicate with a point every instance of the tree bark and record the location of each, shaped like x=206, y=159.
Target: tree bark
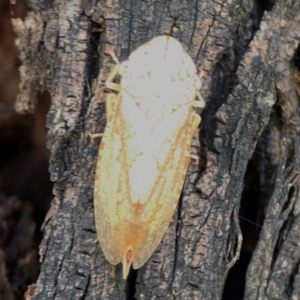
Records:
x=252, y=99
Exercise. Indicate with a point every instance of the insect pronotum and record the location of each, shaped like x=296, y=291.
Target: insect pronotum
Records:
x=145, y=149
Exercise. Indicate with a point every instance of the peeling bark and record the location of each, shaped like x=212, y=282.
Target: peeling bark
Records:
x=250, y=88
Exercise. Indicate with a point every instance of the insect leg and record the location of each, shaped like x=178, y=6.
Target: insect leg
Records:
x=196, y=119
x=198, y=85
x=93, y=136
x=196, y=158
x=110, y=104
x=199, y=103
x=109, y=84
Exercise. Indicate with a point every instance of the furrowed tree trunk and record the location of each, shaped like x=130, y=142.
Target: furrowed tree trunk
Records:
x=247, y=53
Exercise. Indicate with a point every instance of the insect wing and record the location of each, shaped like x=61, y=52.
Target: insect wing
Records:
x=140, y=174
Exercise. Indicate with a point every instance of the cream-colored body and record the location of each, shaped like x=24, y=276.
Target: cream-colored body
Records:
x=145, y=150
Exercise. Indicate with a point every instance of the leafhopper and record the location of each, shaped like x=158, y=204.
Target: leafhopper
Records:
x=145, y=149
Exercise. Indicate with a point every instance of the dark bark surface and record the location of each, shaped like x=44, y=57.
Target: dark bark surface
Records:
x=250, y=86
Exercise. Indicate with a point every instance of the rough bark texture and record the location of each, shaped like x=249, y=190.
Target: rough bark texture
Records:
x=250, y=87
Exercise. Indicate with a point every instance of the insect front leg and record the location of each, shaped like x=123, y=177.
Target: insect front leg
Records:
x=198, y=84
x=114, y=72
x=111, y=98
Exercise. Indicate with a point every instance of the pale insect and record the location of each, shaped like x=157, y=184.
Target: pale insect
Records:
x=145, y=149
